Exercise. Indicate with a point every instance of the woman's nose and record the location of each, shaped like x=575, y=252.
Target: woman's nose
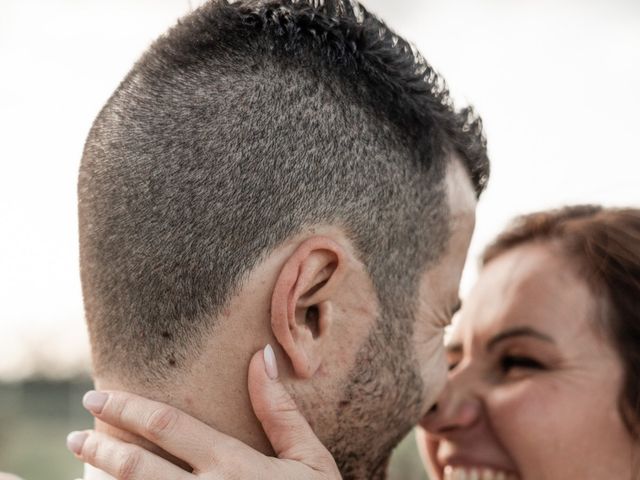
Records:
x=457, y=408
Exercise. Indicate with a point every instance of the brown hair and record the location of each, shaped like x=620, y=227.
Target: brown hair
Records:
x=243, y=126
x=606, y=244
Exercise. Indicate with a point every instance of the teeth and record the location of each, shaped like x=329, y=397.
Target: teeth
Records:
x=463, y=473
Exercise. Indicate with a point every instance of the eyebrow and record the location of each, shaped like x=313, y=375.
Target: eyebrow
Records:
x=518, y=332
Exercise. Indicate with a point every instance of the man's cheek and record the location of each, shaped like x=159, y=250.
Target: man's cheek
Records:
x=429, y=348
x=433, y=368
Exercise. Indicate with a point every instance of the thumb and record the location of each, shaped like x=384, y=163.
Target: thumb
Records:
x=288, y=431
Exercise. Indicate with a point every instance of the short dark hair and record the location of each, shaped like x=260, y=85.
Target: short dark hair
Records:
x=605, y=246
x=243, y=125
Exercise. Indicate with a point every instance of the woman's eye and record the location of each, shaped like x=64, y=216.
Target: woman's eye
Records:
x=510, y=362
x=453, y=365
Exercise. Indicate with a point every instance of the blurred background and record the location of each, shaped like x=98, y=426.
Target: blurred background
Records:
x=555, y=82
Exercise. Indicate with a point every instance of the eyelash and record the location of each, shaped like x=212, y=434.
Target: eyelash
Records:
x=509, y=362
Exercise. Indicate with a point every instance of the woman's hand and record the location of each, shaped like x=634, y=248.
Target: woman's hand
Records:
x=8, y=476
x=211, y=454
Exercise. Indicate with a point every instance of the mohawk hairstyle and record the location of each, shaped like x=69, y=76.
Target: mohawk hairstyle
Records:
x=361, y=45
x=245, y=124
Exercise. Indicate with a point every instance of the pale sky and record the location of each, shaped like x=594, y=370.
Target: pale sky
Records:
x=556, y=82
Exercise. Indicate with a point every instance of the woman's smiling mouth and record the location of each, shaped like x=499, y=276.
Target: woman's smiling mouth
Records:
x=476, y=473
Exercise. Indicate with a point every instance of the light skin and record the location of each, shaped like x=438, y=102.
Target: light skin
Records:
x=211, y=455
x=532, y=391
x=273, y=308
x=8, y=476
x=313, y=301
x=534, y=382
x=270, y=309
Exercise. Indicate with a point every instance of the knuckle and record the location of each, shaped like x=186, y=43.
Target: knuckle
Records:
x=129, y=464
x=161, y=422
x=283, y=399
x=285, y=404
x=89, y=450
x=118, y=406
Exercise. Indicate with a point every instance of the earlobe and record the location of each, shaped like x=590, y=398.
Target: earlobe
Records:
x=301, y=305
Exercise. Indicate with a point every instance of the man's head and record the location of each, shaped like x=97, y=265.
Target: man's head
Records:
x=283, y=171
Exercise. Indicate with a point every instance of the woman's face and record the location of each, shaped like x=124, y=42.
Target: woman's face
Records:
x=534, y=384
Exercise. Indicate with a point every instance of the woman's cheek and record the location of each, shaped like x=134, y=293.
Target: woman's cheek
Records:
x=542, y=422
x=521, y=415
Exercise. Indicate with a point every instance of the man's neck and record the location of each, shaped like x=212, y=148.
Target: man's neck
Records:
x=213, y=390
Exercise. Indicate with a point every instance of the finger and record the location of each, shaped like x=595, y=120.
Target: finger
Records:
x=122, y=460
x=178, y=433
x=8, y=476
x=288, y=431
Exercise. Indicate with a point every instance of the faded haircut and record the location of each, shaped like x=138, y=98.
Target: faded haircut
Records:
x=245, y=124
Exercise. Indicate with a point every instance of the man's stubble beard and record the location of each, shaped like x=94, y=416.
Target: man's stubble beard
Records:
x=381, y=402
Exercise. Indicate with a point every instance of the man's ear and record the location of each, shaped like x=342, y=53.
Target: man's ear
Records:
x=303, y=299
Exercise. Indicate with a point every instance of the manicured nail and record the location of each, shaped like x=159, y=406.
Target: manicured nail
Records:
x=75, y=441
x=94, y=401
x=270, y=364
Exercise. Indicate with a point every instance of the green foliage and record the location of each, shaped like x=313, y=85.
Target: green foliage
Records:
x=36, y=417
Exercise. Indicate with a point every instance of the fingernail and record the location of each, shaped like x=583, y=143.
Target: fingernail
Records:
x=94, y=401
x=270, y=362
x=75, y=441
